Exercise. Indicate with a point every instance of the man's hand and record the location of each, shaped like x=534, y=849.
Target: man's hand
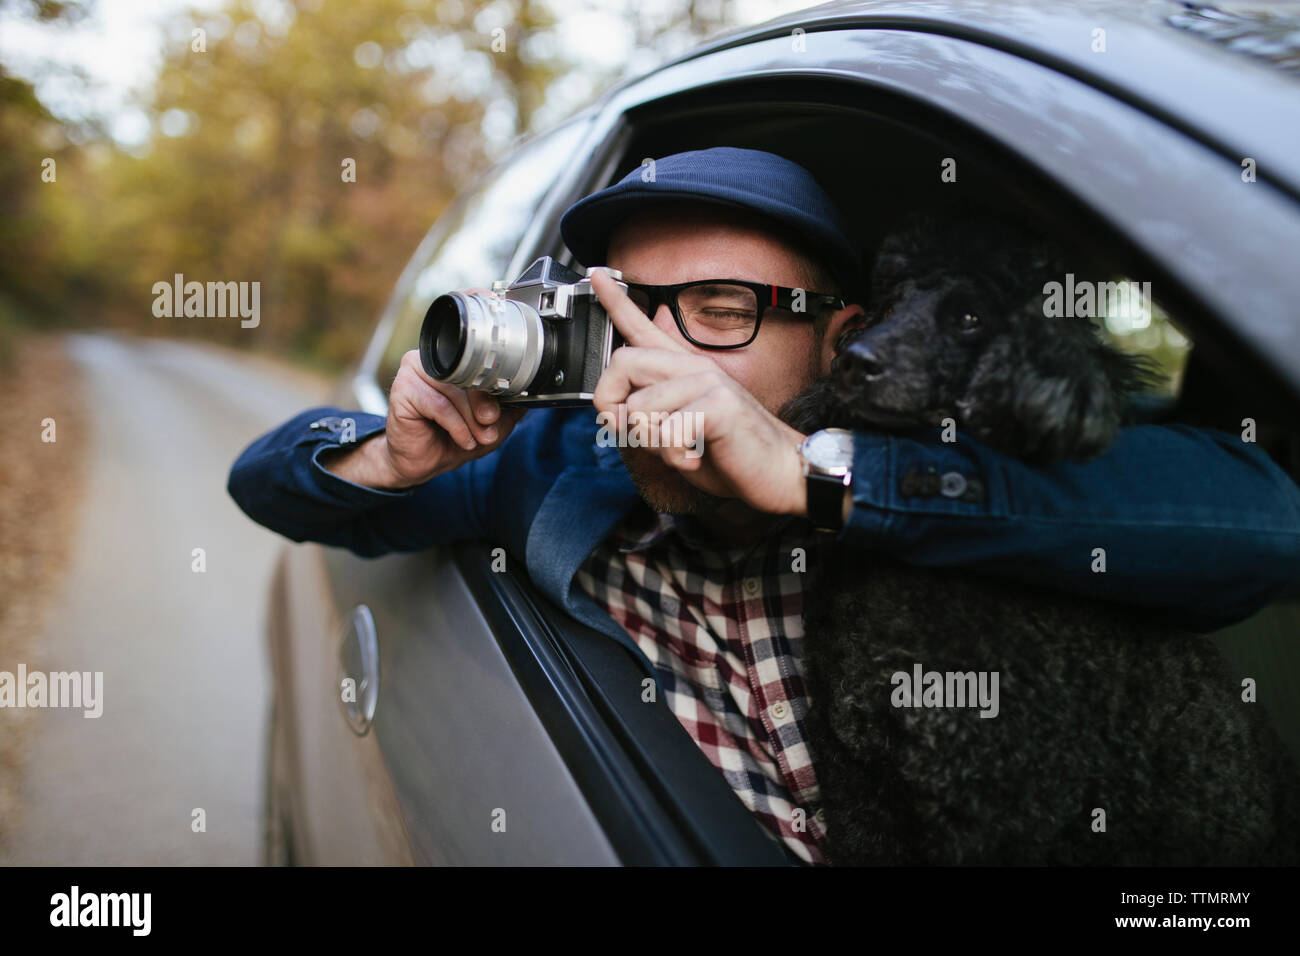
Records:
x=748, y=453
x=432, y=428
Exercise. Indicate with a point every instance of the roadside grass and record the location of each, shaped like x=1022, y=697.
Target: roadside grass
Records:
x=40, y=491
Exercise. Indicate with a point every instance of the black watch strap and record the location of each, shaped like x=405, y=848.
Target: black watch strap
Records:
x=826, y=501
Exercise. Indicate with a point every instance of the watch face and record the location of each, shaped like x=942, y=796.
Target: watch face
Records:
x=830, y=448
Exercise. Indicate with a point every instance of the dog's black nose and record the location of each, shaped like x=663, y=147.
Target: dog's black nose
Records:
x=861, y=360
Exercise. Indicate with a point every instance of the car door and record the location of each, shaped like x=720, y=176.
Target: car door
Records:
x=494, y=739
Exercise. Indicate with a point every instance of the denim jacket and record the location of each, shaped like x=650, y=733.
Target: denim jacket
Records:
x=1194, y=522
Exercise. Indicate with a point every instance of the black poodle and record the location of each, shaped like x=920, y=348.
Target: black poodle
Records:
x=1074, y=731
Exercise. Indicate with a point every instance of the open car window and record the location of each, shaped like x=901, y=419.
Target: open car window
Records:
x=839, y=141
x=472, y=243
x=1149, y=330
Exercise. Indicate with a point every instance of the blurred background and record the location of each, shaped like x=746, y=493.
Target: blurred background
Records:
x=141, y=140
x=208, y=137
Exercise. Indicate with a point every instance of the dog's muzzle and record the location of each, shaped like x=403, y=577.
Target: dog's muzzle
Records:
x=858, y=363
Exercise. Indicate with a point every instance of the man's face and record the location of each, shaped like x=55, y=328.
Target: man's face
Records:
x=670, y=246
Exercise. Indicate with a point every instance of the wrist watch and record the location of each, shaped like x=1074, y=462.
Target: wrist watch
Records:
x=828, y=469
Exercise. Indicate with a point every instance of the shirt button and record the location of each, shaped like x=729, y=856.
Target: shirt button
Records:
x=820, y=817
x=779, y=711
x=751, y=586
x=952, y=484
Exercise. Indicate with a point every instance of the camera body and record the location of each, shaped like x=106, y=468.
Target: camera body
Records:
x=544, y=342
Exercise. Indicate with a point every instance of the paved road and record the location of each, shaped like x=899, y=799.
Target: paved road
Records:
x=186, y=676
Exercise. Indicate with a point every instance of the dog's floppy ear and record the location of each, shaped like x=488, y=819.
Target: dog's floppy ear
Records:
x=1070, y=402
x=1070, y=412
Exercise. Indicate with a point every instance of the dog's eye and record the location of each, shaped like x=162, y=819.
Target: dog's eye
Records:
x=968, y=322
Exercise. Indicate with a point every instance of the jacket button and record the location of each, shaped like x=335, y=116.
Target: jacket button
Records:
x=952, y=484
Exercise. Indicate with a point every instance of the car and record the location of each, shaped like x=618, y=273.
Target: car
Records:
x=1165, y=135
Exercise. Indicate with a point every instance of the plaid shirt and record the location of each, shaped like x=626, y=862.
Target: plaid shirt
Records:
x=724, y=629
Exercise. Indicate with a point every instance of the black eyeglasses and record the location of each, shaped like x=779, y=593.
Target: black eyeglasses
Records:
x=725, y=313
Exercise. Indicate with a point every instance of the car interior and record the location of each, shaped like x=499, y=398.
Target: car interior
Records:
x=879, y=156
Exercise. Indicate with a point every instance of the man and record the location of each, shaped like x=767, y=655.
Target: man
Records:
x=698, y=563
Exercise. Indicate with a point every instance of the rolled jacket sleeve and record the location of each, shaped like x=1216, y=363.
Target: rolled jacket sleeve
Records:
x=1193, y=521
x=281, y=484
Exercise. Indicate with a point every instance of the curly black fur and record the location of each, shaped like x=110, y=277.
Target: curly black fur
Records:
x=1038, y=388
x=1099, y=706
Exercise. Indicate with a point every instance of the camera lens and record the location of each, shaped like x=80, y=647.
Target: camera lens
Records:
x=445, y=325
x=481, y=341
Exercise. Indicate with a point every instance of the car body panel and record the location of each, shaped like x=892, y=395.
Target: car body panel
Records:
x=477, y=784
x=1229, y=100
x=344, y=808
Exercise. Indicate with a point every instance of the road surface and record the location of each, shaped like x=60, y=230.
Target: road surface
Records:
x=186, y=675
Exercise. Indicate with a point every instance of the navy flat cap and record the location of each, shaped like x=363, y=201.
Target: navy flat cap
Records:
x=763, y=183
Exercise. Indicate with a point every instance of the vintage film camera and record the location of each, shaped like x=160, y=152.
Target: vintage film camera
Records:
x=544, y=343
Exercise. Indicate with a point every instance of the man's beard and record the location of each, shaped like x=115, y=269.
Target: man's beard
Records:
x=663, y=487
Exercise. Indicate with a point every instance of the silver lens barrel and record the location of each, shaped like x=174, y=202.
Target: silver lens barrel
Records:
x=479, y=341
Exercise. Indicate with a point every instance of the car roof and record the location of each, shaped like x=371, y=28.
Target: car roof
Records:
x=1226, y=74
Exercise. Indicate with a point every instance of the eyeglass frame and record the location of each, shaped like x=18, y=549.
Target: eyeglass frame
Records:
x=781, y=298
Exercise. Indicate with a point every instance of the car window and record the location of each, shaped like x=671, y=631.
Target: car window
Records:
x=1148, y=331
x=473, y=241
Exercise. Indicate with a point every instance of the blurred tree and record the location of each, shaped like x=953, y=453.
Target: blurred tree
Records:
x=302, y=144
x=35, y=160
